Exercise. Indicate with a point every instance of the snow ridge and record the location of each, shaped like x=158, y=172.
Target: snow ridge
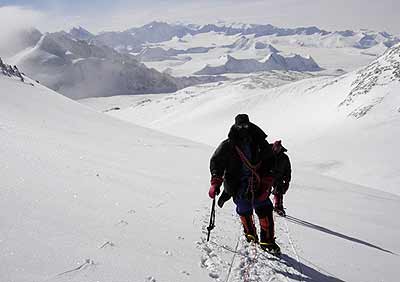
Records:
x=380, y=73
x=272, y=62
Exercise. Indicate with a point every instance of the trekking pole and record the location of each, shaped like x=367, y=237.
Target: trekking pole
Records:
x=212, y=220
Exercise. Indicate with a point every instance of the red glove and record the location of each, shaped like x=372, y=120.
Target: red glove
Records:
x=216, y=183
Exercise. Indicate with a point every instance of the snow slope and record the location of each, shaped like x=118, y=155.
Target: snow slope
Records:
x=81, y=189
x=85, y=197
x=334, y=232
x=334, y=125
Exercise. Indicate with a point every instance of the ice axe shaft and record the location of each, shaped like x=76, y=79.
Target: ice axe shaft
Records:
x=212, y=220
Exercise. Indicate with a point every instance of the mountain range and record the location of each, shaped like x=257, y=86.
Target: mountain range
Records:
x=154, y=32
x=163, y=58
x=79, y=69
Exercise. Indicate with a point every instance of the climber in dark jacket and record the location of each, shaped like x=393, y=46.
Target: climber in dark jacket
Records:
x=244, y=163
x=283, y=175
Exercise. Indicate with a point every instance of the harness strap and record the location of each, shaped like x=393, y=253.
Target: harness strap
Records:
x=253, y=169
x=246, y=162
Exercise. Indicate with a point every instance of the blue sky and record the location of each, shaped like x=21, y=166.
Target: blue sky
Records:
x=98, y=15
x=48, y=4
x=74, y=5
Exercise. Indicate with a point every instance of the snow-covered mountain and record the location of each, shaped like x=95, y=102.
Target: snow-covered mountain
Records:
x=374, y=84
x=245, y=43
x=159, y=31
x=80, y=33
x=131, y=40
x=149, y=54
x=258, y=29
x=335, y=52
x=157, y=54
x=334, y=125
x=362, y=39
x=155, y=32
x=79, y=64
x=120, y=41
x=359, y=39
x=85, y=197
x=272, y=62
x=78, y=69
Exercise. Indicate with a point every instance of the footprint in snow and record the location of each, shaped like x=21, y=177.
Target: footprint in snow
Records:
x=185, y=272
x=214, y=275
x=122, y=223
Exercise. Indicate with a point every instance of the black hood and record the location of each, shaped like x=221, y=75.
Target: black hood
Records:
x=283, y=150
x=256, y=133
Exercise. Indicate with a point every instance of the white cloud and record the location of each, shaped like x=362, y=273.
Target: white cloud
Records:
x=13, y=18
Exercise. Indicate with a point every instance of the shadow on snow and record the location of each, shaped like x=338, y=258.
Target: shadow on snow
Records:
x=309, y=274
x=334, y=233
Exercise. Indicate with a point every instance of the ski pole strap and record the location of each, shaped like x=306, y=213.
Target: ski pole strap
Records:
x=212, y=220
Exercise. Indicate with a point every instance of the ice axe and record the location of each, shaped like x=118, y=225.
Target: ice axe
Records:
x=212, y=220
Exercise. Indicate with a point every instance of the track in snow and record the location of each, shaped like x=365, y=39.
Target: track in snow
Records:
x=229, y=258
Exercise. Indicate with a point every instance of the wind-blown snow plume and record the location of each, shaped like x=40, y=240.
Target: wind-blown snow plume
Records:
x=16, y=29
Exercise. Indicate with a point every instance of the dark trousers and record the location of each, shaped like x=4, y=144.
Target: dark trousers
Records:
x=263, y=207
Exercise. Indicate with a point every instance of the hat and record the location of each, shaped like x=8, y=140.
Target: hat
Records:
x=241, y=119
